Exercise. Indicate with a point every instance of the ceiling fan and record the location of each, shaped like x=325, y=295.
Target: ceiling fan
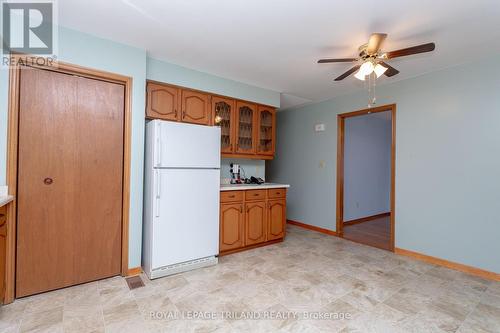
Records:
x=372, y=60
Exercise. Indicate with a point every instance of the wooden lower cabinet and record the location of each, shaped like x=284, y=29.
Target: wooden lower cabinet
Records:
x=255, y=222
x=231, y=226
x=248, y=220
x=276, y=219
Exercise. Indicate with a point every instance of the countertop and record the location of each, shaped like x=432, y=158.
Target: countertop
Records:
x=243, y=187
x=5, y=199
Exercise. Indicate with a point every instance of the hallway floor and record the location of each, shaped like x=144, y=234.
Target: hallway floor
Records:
x=309, y=274
x=376, y=233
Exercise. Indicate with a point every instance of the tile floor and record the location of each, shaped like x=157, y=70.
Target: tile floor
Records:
x=309, y=274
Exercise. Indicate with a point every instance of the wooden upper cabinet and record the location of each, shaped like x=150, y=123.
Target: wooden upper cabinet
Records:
x=195, y=107
x=276, y=219
x=266, y=130
x=223, y=115
x=255, y=222
x=246, y=118
x=162, y=102
x=231, y=227
x=248, y=130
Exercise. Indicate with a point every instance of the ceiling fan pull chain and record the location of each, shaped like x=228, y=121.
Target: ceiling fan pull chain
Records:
x=369, y=90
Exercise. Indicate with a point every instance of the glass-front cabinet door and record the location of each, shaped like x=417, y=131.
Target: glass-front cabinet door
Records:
x=246, y=116
x=266, y=130
x=223, y=116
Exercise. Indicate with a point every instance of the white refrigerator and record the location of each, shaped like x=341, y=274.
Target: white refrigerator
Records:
x=181, y=197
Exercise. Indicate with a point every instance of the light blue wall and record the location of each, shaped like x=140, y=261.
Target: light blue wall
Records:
x=165, y=72
x=447, y=162
x=367, y=165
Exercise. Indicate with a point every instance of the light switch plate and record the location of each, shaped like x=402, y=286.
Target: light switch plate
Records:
x=319, y=127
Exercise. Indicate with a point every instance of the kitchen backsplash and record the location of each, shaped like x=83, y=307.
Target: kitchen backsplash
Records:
x=256, y=168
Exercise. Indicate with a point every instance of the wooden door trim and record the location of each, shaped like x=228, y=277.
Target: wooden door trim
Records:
x=12, y=158
x=340, y=165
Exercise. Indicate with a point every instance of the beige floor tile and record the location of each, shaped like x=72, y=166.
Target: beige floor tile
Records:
x=122, y=312
x=484, y=318
x=408, y=301
x=43, y=321
x=308, y=273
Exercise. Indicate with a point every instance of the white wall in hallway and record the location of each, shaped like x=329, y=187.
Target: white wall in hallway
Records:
x=367, y=165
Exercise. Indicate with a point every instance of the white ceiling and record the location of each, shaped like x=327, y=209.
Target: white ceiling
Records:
x=275, y=44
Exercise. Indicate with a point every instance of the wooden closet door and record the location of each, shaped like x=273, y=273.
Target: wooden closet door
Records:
x=69, y=180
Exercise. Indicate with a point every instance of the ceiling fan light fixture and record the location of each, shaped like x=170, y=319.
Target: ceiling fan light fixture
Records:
x=359, y=76
x=379, y=70
x=366, y=68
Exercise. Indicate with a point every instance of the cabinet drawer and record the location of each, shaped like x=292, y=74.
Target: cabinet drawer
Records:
x=255, y=194
x=231, y=196
x=277, y=193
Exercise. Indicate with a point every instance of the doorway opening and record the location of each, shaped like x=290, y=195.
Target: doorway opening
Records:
x=366, y=175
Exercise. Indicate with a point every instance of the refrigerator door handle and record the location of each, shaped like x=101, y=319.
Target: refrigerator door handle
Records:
x=158, y=193
x=158, y=144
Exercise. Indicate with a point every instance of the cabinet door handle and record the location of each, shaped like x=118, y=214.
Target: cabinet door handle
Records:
x=183, y=114
x=241, y=209
x=175, y=113
x=232, y=196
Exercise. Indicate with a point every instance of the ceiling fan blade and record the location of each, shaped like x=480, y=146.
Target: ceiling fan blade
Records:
x=349, y=72
x=411, y=50
x=375, y=42
x=391, y=71
x=324, y=61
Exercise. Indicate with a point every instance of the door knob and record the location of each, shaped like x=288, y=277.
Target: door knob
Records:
x=48, y=181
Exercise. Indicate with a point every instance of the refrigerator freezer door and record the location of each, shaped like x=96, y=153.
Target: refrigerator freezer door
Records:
x=186, y=215
x=179, y=145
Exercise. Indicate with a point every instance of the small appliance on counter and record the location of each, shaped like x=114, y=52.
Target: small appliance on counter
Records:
x=254, y=180
x=235, y=173
x=237, y=179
